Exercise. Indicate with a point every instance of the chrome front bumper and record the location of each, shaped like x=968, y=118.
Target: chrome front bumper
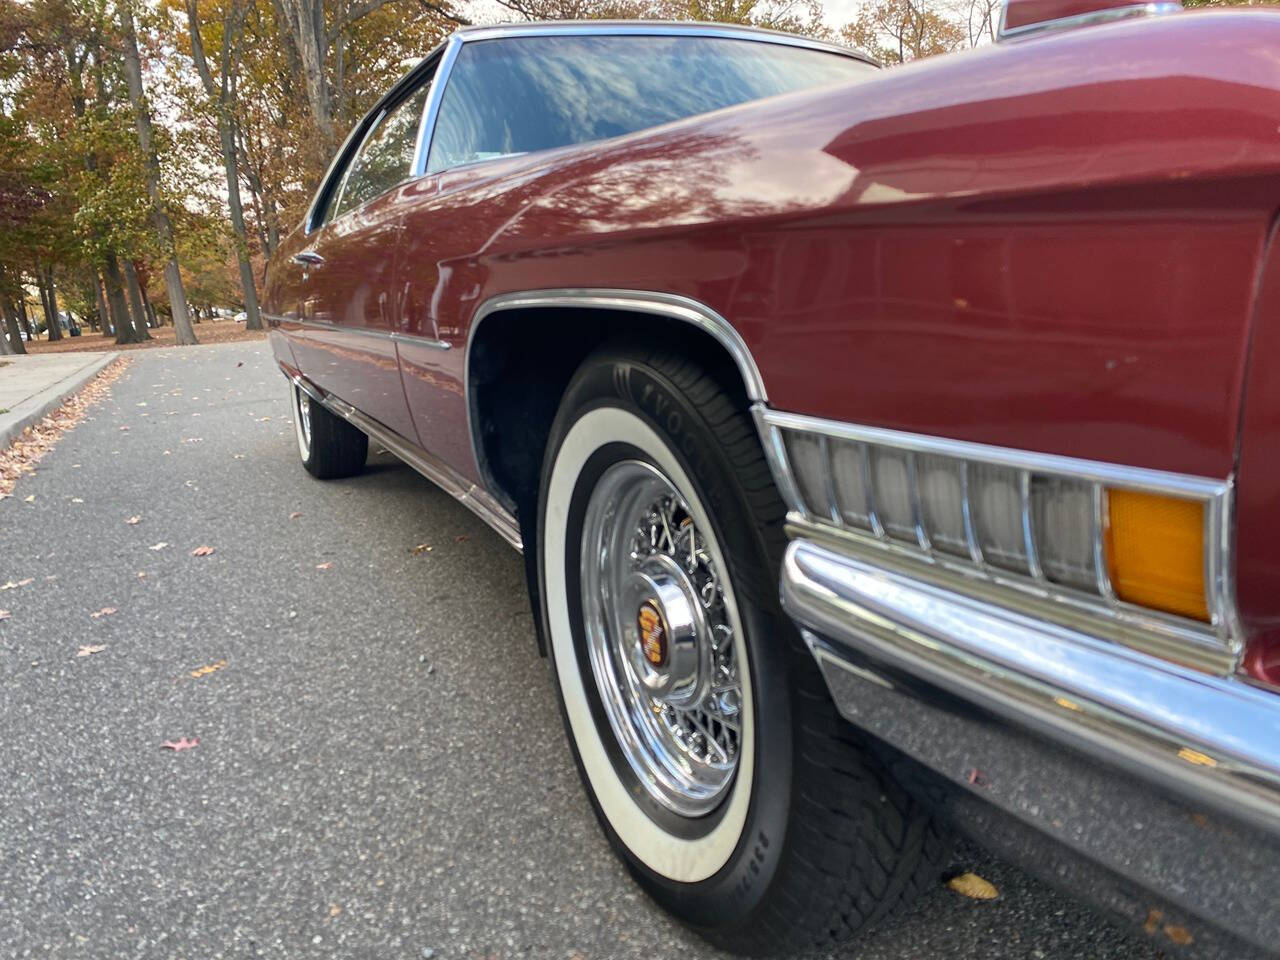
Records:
x=1167, y=777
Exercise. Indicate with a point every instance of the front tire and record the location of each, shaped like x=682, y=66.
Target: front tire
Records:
x=329, y=446
x=712, y=754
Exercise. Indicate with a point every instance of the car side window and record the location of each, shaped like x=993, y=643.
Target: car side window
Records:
x=521, y=94
x=385, y=159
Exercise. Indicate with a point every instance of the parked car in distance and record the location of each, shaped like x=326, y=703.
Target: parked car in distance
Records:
x=893, y=452
x=241, y=317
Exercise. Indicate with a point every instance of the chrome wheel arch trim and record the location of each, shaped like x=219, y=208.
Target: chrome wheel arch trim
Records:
x=669, y=305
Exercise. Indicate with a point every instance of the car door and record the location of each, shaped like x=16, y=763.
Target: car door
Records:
x=347, y=311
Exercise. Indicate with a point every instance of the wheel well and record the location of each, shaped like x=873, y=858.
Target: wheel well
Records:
x=519, y=365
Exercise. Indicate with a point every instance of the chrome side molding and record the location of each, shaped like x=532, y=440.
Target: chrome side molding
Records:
x=471, y=496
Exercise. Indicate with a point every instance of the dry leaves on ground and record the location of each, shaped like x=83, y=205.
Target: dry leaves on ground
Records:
x=421, y=548
x=5, y=614
x=104, y=612
x=202, y=551
x=327, y=565
x=15, y=584
x=186, y=743
x=35, y=441
x=973, y=886
x=204, y=671
x=158, y=546
x=133, y=521
x=88, y=650
x=295, y=515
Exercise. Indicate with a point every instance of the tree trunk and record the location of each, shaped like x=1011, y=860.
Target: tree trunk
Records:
x=160, y=219
x=114, y=282
x=49, y=300
x=134, y=292
x=223, y=94
x=253, y=320
x=103, y=318
x=23, y=318
x=152, y=317
x=14, y=344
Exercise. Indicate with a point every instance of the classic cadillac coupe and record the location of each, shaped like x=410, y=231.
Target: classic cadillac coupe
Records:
x=892, y=452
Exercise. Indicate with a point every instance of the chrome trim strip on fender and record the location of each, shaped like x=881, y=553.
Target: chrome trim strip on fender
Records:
x=1107, y=15
x=468, y=494
x=1215, y=740
x=634, y=301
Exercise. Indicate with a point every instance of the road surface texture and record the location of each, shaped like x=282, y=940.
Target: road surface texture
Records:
x=381, y=770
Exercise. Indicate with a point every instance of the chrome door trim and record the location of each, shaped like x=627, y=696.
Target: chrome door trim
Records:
x=394, y=336
x=421, y=341
x=669, y=305
x=471, y=496
x=431, y=109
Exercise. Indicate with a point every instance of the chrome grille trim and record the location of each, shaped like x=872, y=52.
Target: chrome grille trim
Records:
x=1214, y=647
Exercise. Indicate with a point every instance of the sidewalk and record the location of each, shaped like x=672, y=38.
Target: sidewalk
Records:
x=34, y=385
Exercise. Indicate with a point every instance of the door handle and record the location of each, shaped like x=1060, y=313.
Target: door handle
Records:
x=308, y=258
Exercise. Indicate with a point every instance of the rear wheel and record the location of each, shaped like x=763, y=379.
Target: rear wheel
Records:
x=712, y=754
x=328, y=445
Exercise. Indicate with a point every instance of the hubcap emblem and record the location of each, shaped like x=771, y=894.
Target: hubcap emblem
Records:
x=653, y=634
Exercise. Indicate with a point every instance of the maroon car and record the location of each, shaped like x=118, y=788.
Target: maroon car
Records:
x=892, y=452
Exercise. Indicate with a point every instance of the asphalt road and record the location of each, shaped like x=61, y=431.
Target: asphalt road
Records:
x=381, y=770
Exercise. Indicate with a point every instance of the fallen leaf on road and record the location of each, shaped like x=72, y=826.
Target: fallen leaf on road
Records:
x=324, y=566
x=421, y=548
x=208, y=669
x=4, y=614
x=142, y=574
x=104, y=612
x=12, y=585
x=90, y=650
x=191, y=440
x=460, y=537
x=30, y=499
x=263, y=419
x=295, y=515
x=186, y=743
x=132, y=521
x=124, y=428
x=240, y=363
x=973, y=886
x=237, y=456
x=202, y=551
x=77, y=500
x=158, y=546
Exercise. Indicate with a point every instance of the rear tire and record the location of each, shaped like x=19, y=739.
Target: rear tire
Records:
x=810, y=839
x=329, y=446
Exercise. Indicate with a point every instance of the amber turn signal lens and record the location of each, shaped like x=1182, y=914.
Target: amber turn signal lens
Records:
x=1155, y=551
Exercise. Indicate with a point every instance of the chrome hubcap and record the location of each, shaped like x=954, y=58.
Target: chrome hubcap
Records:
x=660, y=638
x=304, y=417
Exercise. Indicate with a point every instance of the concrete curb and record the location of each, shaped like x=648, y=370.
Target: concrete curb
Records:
x=36, y=408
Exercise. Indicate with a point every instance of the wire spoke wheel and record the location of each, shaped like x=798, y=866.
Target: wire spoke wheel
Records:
x=660, y=638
